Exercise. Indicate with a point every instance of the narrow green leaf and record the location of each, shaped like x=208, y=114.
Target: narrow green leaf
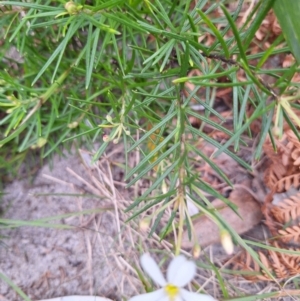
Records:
x=260, y=110
x=30, y=5
x=156, y=127
x=193, y=27
x=102, y=26
x=211, y=163
x=288, y=14
x=122, y=19
x=57, y=142
x=195, y=79
x=165, y=49
x=291, y=123
x=107, y=4
x=151, y=166
x=185, y=61
x=254, y=77
x=167, y=227
x=215, y=31
x=209, y=121
x=266, y=124
x=284, y=80
x=265, y=6
x=220, y=147
x=58, y=51
x=14, y=287
x=152, y=154
x=268, y=52
x=225, y=30
x=20, y=26
x=235, y=33
x=93, y=56
x=89, y=67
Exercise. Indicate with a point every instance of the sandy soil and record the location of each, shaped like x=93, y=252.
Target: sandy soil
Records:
x=50, y=262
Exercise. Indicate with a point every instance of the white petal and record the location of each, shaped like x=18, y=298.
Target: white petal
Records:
x=178, y=298
x=189, y=296
x=158, y=295
x=174, y=266
x=181, y=271
x=152, y=269
x=167, y=298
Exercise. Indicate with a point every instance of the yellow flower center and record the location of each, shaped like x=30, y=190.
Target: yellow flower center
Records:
x=172, y=291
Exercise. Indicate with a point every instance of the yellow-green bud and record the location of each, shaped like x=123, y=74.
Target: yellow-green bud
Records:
x=196, y=251
x=109, y=118
x=73, y=125
x=71, y=8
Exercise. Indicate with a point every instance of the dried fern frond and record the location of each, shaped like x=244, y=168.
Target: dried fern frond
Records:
x=273, y=175
x=288, y=210
x=292, y=138
x=283, y=218
x=249, y=268
x=281, y=265
x=290, y=234
x=285, y=162
x=291, y=263
x=287, y=182
x=279, y=268
x=296, y=156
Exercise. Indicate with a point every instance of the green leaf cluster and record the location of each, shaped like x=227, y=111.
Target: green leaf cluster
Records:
x=109, y=72
x=115, y=71
x=112, y=71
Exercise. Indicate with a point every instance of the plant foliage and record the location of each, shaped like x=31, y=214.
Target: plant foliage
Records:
x=119, y=71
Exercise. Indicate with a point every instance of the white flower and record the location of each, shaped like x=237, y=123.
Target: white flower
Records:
x=180, y=272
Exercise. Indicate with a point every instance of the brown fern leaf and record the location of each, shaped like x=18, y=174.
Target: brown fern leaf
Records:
x=281, y=265
x=287, y=182
x=271, y=217
x=287, y=210
x=296, y=156
x=290, y=233
x=273, y=175
x=290, y=261
x=279, y=268
x=249, y=268
x=265, y=261
x=277, y=215
x=292, y=138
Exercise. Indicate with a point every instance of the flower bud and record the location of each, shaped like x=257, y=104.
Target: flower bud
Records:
x=226, y=241
x=73, y=125
x=109, y=118
x=196, y=251
x=105, y=138
x=71, y=8
x=164, y=187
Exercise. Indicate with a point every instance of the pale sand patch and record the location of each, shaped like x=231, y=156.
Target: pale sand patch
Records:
x=90, y=259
